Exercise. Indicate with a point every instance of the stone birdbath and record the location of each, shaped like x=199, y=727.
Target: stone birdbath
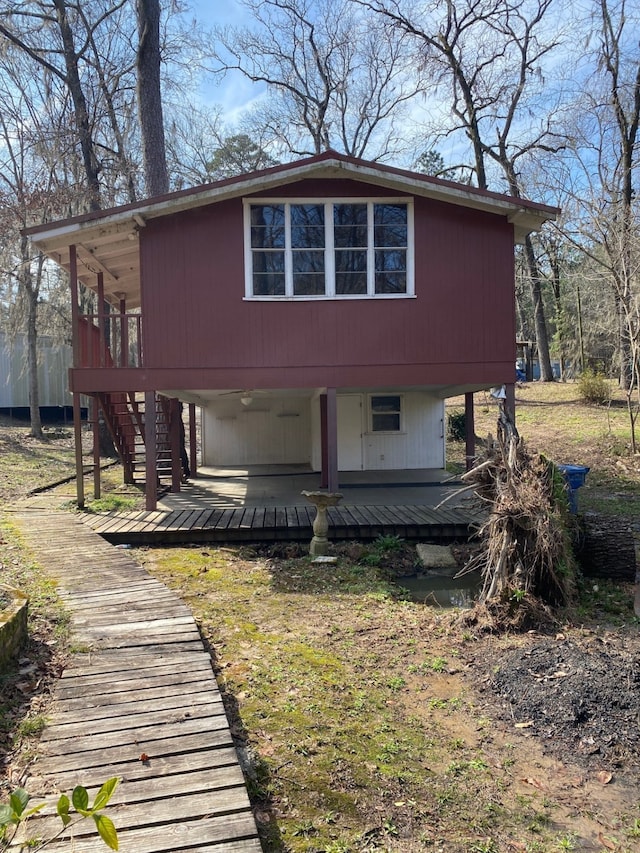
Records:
x=322, y=501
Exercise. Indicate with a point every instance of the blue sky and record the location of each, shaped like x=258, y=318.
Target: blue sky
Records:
x=233, y=92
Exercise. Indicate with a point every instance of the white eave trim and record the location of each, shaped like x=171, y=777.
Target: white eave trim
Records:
x=330, y=168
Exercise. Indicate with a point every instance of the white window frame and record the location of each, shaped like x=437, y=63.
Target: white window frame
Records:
x=329, y=254
x=400, y=429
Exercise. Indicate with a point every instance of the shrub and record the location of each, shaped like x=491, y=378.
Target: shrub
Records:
x=594, y=387
x=457, y=426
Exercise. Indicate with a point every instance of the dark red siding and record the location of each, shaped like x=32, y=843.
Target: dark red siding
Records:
x=459, y=328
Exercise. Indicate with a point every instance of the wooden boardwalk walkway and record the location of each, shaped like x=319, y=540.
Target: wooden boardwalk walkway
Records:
x=138, y=701
x=264, y=524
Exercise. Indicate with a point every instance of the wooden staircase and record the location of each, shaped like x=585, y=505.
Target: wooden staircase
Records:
x=125, y=417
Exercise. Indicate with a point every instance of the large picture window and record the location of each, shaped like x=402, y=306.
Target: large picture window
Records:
x=329, y=249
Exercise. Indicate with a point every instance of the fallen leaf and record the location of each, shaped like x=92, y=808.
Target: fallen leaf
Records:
x=606, y=842
x=144, y=757
x=517, y=845
x=604, y=777
x=399, y=803
x=526, y=725
x=534, y=782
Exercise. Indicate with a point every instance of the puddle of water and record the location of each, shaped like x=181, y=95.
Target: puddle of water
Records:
x=443, y=591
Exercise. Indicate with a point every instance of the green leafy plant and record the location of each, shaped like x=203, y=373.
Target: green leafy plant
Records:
x=16, y=812
x=594, y=388
x=457, y=426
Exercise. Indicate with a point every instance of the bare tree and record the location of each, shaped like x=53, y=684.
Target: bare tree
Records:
x=605, y=221
x=489, y=56
x=335, y=78
x=31, y=191
x=150, y=98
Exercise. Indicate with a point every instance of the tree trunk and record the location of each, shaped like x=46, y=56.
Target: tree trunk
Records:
x=31, y=289
x=150, y=99
x=76, y=91
x=540, y=323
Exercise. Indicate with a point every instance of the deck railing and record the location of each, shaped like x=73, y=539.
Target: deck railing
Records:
x=115, y=343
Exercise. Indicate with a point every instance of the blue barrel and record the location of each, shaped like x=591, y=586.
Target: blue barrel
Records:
x=575, y=475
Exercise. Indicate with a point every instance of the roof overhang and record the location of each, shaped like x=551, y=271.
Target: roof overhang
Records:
x=107, y=241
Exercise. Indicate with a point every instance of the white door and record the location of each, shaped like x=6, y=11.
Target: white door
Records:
x=349, y=432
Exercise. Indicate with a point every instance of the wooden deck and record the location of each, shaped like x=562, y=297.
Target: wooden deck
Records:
x=266, y=524
x=139, y=701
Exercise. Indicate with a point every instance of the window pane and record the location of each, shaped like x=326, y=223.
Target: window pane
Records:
x=268, y=274
x=349, y=225
x=268, y=284
x=390, y=224
x=308, y=273
x=351, y=260
x=268, y=262
x=351, y=283
x=388, y=403
x=308, y=284
x=351, y=271
x=385, y=423
x=391, y=271
x=307, y=226
x=267, y=226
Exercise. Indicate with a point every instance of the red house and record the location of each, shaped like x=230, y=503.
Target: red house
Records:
x=319, y=312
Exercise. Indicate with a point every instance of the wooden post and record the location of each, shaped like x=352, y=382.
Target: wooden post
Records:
x=75, y=307
x=75, y=339
x=174, y=439
x=470, y=431
x=150, y=447
x=95, y=420
x=324, y=475
x=193, y=448
x=124, y=334
x=77, y=429
x=332, y=440
x=101, y=321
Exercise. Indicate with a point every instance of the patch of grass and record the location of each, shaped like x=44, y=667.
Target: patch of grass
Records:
x=113, y=503
x=48, y=636
x=326, y=673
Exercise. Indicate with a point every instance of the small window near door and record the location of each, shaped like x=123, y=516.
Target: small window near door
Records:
x=385, y=413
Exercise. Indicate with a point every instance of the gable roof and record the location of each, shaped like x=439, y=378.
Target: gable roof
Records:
x=107, y=240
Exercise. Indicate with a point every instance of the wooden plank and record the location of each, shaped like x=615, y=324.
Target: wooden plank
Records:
x=70, y=688
x=259, y=518
x=175, y=520
x=95, y=663
x=280, y=517
x=140, y=739
x=136, y=693
x=200, y=519
x=224, y=834
x=167, y=756
x=270, y=517
x=225, y=518
x=372, y=519
x=152, y=519
x=141, y=720
x=236, y=519
x=292, y=518
x=247, y=518
x=137, y=824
